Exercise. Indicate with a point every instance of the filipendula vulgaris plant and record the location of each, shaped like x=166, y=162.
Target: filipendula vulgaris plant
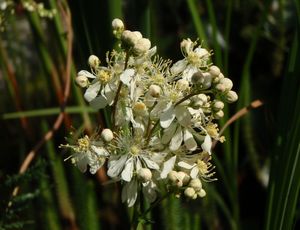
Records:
x=163, y=117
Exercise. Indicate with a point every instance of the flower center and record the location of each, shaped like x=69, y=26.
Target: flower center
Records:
x=202, y=166
x=104, y=76
x=83, y=143
x=134, y=150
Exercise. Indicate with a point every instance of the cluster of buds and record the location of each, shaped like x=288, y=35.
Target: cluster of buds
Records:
x=163, y=117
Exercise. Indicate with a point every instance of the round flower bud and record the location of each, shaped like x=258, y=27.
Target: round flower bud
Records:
x=144, y=174
x=138, y=34
x=186, y=45
x=217, y=105
x=220, y=87
x=201, y=52
x=182, y=176
x=154, y=90
x=197, y=78
x=189, y=192
x=202, y=193
x=139, y=108
x=81, y=80
x=231, y=96
x=182, y=84
x=172, y=176
x=141, y=46
x=214, y=70
x=219, y=114
x=207, y=80
x=227, y=83
x=129, y=38
x=196, y=184
x=107, y=135
x=93, y=61
x=117, y=24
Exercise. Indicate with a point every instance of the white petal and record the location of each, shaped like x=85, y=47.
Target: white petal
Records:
x=99, y=102
x=176, y=140
x=128, y=170
x=151, y=164
x=185, y=165
x=178, y=67
x=183, y=115
x=206, y=145
x=86, y=73
x=189, y=140
x=158, y=109
x=188, y=72
x=116, y=166
x=167, y=167
x=149, y=190
x=82, y=164
x=100, y=151
x=92, y=91
x=194, y=172
x=110, y=94
x=168, y=133
x=129, y=193
x=167, y=116
x=126, y=76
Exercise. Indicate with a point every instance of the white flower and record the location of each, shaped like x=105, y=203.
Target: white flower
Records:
x=88, y=153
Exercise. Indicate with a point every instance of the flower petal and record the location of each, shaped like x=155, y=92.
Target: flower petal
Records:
x=189, y=140
x=185, y=165
x=176, y=140
x=116, y=166
x=207, y=143
x=178, y=67
x=183, y=115
x=167, y=116
x=86, y=74
x=99, y=102
x=128, y=170
x=100, y=151
x=167, y=167
x=158, y=109
x=92, y=91
x=194, y=172
x=129, y=193
x=168, y=133
x=150, y=163
x=126, y=76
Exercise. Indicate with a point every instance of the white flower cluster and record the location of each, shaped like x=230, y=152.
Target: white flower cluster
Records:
x=163, y=117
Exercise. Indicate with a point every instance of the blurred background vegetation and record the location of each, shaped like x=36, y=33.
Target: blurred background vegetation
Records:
x=256, y=43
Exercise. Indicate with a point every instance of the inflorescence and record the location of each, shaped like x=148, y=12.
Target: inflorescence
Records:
x=163, y=117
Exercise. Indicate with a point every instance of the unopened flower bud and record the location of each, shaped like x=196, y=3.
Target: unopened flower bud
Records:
x=107, y=135
x=117, y=24
x=144, y=174
x=141, y=46
x=138, y=34
x=220, y=87
x=94, y=61
x=189, y=192
x=202, y=193
x=196, y=184
x=197, y=78
x=82, y=80
x=219, y=114
x=172, y=176
x=186, y=45
x=182, y=84
x=201, y=52
x=214, y=70
x=231, y=96
x=182, y=176
x=227, y=83
x=128, y=38
x=139, y=108
x=217, y=105
x=154, y=90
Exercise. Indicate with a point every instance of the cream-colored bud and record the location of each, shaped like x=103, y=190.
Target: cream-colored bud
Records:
x=197, y=78
x=107, y=135
x=196, y=184
x=141, y=46
x=94, y=61
x=202, y=193
x=219, y=114
x=189, y=192
x=138, y=34
x=186, y=45
x=217, y=105
x=201, y=52
x=154, y=91
x=182, y=176
x=220, y=87
x=182, y=84
x=117, y=24
x=231, y=96
x=129, y=38
x=172, y=176
x=139, y=108
x=214, y=70
x=82, y=80
x=207, y=80
x=144, y=174
x=227, y=83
